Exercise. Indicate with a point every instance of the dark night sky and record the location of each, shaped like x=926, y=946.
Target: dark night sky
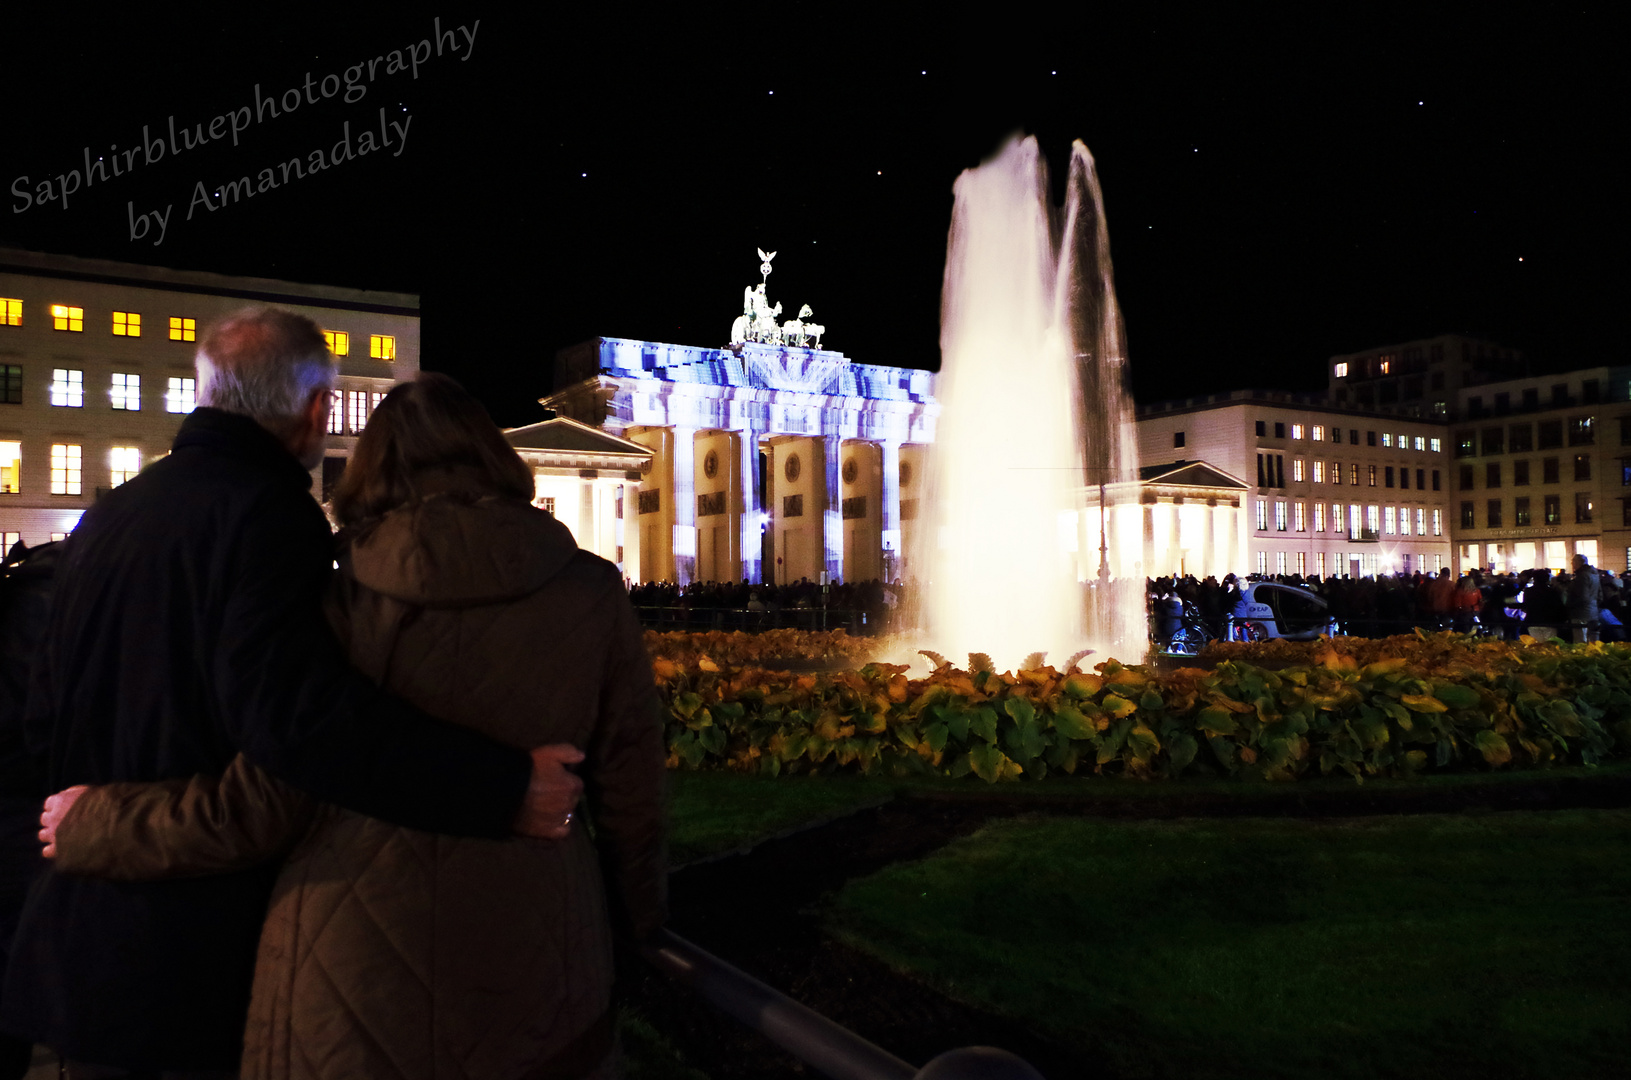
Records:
x=1281, y=186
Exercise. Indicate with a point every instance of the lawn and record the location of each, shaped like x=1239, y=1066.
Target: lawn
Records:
x=713, y=813
x=1484, y=945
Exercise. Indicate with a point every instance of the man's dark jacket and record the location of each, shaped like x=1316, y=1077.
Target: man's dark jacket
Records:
x=187, y=626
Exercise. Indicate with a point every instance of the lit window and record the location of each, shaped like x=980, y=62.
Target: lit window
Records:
x=11, y=468
x=1297, y=469
x=127, y=324
x=1434, y=445
x=1302, y=563
x=1372, y=476
x=1421, y=443
x=1387, y=366
x=1280, y=563
x=373, y=402
x=1387, y=440
x=1353, y=474
x=1317, y=433
x=9, y=540
x=1373, y=518
x=1421, y=521
x=1319, y=472
x=68, y=388
x=381, y=347
x=1337, y=524
x=1319, y=517
x=1319, y=563
x=336, y=415
x=1262, y=562
x=1300, y=517
x=356, y=410
x=1340, y=371
x=1296, y=431
x=65, y=470
x=1262, y=514
x=64, y=317
x=181, y=395
x=183, y=329
x=1280, y=515
x=338, y=342
x=1404, y=442
x=11, y=312
x=1387, y=521
x=124, y=462
x=126, y=392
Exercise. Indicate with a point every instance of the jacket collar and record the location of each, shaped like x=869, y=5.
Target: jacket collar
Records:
x=219, y=432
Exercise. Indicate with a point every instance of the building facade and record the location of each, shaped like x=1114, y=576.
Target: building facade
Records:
x=767, y=462
x=96, y=372
x=1418, y=378
x=1542, y=471
x=1328, y=491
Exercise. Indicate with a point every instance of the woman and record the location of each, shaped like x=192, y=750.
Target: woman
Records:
x=394, y=953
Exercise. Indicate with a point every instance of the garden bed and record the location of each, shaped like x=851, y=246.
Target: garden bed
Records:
x=1397, y=707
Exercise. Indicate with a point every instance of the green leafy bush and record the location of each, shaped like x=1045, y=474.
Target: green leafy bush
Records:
x=1439, y=702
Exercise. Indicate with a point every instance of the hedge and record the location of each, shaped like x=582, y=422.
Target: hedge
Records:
x=1391, y=707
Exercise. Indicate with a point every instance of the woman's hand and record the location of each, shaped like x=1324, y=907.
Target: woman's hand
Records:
x=56, y=808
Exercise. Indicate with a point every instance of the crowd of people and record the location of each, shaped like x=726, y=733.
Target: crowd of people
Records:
x=1589, y=601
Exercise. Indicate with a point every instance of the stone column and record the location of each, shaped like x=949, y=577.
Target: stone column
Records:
x=751, y=509
x=890, y=510
x=832, y=517
x=685, y=505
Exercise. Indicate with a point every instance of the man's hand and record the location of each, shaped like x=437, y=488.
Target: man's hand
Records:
x=547, y=810
x=58, y=805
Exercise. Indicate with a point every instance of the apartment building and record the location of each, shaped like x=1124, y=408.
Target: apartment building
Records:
x=1542, y=471
x=1330, y=491
x=1418, y=378
x=96, y=372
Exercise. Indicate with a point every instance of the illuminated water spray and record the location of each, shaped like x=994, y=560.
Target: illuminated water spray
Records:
x=1035, y=422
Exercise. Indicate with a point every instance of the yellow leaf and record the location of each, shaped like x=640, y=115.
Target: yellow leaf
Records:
x=706, y=664
x=1422, y=703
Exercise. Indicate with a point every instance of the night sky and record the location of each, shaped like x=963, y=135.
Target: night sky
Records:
x=1281, y=186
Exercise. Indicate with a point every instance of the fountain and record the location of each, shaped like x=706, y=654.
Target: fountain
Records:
x=1034, y=447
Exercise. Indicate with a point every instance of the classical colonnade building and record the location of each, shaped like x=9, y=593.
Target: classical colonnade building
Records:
x=767, y=462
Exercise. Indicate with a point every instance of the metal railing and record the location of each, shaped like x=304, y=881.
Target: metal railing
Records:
x=831, y=1049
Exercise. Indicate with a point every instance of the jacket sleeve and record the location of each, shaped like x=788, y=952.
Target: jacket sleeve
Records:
x=624, y=782
x=291, y=701
x=183, y=828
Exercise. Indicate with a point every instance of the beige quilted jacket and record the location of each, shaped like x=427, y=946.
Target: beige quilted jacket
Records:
x=393, y=953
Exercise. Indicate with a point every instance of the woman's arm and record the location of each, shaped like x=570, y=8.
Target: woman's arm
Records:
x=182, y=828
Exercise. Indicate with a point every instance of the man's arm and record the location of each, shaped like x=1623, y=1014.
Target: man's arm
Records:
x=295, y=706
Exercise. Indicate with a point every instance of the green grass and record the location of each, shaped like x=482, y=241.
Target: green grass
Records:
x=711, y=813
x=1444, y=946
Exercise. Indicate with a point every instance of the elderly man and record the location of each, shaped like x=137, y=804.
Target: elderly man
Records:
x=1585, y=590
x=187, y=627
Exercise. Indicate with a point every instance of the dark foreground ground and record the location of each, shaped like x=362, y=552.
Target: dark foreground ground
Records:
x=762, y=910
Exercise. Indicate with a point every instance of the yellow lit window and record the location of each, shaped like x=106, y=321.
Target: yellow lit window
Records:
x=11, y=312
x=339, y=342
x=127, y=324
x=381, y=347
x=64, y=317
x=11, y=468
x=183, y=329
x=124, y=462
x=65, y=470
